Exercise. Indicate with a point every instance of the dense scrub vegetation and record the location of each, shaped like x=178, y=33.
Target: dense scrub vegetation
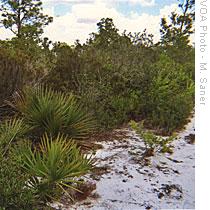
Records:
x=38, y=140
x=142, y=81
x=52, y=93
x=13, y=72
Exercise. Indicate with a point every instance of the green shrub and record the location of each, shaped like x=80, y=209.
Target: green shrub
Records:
x=120, y=77
x=68, y=69
x=13, y=72
x=170, y=98
x=122, y=108
x=54, y=166
x=53, y=112
x=151, y=141
x=109, y=83
x=14, y=195
x=11, y=130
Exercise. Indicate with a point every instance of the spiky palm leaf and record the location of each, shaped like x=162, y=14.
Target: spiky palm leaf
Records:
x=55, y=164
x=12, y=129
x=53, y=112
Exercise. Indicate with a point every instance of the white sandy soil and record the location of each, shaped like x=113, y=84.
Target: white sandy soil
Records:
x=163, y=181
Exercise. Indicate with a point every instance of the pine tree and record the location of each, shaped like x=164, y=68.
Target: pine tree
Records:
x=178, y=31
x=24, y=17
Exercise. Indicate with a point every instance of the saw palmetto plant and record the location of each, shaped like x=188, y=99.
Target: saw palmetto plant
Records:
x=11, y=130
x=54, y=166
x=53, y=112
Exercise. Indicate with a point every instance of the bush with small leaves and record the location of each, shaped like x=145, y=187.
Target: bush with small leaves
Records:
x=14, y=194
x=170, y=97
x=13, y=72
x=152, y=142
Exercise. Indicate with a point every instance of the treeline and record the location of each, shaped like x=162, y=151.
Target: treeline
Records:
x=118, y=77
x=123, y=76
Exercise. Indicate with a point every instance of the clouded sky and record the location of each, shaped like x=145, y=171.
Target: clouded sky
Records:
x=76, y=19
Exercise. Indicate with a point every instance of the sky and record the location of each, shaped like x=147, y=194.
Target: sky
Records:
x=76, y=19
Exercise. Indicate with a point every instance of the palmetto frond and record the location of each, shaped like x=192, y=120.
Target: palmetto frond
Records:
x=53, y=112
x=55, y=164
x=12, y=129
